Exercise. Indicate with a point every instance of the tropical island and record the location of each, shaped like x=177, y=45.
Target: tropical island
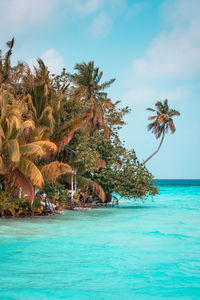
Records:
x=99, y=177
x=60, y=145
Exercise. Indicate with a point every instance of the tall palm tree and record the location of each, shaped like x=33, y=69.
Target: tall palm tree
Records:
x=89, y=89
x=162, y=122
x=46, y=104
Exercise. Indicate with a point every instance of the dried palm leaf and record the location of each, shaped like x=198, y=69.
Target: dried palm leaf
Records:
x=85, y=183
x=49, y=148
x=2, y=167
x=29, y=169
x=13, y=150
x=53, y=170
x=32, y=151
x=20, y=181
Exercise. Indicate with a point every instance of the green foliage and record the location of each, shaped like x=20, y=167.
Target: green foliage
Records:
x=55, y=191
x=14, y=207
x=87, y=156
x=123, y=174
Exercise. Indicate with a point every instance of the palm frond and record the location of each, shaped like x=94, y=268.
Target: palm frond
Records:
x=85, y=183
x=13, y=150
x=47, y=118
x=173, y=112
x=26, y=130
x=27, y=124
x=2, y=166
x=152, y=117
x=151, y=109
x=107, y=84
x=63, y=142
x=14, y=126
x=20, y=181
x=29, y=169
x=49, y=148
x=10, y=43
x=55, y=169
x=70, y=127
x=40, y=133
x=32, y=151
x=172, y=126
x=150, y=126
x=2, y=132
x=165, y=106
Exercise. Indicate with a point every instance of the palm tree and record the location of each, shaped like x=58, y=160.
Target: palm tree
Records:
x=46, y=101
x=162, y=122
x=17, y=158
x=46, y=105
x=90, y=90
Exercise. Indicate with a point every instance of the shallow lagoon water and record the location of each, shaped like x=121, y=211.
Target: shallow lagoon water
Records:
x=149, y=250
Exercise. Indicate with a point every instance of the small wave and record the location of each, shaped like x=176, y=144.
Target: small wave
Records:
x=175, y=235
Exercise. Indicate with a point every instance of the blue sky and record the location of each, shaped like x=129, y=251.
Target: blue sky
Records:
x=151, y=47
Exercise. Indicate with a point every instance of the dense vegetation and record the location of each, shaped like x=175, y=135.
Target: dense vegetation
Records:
x=59, y=130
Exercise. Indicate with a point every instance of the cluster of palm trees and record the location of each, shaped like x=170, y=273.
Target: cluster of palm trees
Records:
x=43, y=115
x=39, y=116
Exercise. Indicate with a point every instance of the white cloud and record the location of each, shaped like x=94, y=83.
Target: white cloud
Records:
x=174, y=53
x=139, y=95
x=52, y=60
x=171, y=63
x=104, y=14
x=87, y=7
x=21, y=13
x=137, y=7
x=149, y=94
x=100, y=25
x=179, y=12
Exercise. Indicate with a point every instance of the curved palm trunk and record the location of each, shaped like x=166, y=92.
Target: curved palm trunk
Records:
x=163, y=135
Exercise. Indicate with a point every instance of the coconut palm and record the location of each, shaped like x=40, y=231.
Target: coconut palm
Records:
x=19, y=158
x=89, y=89
x=162, y=122
x=47, y=106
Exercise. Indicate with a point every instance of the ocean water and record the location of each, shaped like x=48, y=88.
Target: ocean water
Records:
x=145, y=250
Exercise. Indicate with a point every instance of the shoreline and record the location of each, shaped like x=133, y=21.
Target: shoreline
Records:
x=56, y=213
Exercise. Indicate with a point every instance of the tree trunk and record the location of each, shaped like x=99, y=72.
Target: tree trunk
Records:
x=108, y=197
x=163, y=135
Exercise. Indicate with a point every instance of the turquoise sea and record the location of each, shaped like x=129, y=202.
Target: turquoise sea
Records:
x=145, y=250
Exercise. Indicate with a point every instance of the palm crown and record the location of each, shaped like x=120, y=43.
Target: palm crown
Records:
x=88, y=88
x=162, y=121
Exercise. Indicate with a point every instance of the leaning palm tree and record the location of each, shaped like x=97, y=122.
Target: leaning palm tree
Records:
x=162, y=122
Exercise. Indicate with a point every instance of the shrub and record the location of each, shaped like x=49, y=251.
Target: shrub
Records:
x=13, y=207
x=56, y=192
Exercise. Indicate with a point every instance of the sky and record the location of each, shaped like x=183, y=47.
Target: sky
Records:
x=151, y=47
